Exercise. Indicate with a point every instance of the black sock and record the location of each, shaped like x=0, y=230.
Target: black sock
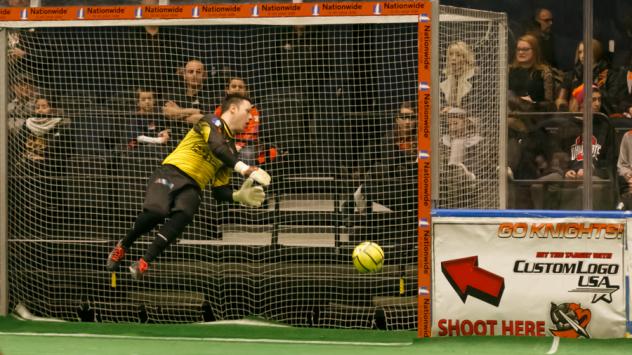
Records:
x=159, y=244
x=145, y=222
x=169, y=232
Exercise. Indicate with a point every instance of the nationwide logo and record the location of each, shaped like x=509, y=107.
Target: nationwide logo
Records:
x=424, y=18
x=138, y=13
x=424, y=154
x=570, y=320
x=81, y=14
x=423, y=291
x=424, y=86
x=24, y=14
x=316, y=10
x=423, y=223
x=468, y=279
x=195, y=12
x=377, y=9
x=255, y=11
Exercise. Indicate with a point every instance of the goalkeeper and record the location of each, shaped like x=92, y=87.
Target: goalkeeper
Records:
x=206, y=154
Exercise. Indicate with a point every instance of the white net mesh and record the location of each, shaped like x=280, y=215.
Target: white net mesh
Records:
x=327, y=95
x=472, y=47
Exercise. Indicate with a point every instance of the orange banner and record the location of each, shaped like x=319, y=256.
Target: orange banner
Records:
x=424, y=185
x=164, y=12
x=105, y=13
x=383, y=8
x=222, y=11
x=47, y=14
x=11, y=14
x=404, y=8
x=342, y=9
x=281, y=10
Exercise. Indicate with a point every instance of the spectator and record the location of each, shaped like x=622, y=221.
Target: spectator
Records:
x=42, y=145
x=391, y=181
x=621, y=90
x=42, y=132
x=247, y=142
x=578, y=98
x=624, y=164
x=600, y=143
x=541, y=29
x=190, y=102
x=456, y=89
x=461, y=137
x=553, y=152
x=16, y=50
x=149, y=127
x=531, y=84
x=603, y=158
x=574, y=78
x=624, y=169
x=461, y=165
x=22, y=103
x=14, y=38
x=626, y=108
x=395, y=170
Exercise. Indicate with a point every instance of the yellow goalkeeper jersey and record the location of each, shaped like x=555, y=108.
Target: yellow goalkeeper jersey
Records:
x=207, y=153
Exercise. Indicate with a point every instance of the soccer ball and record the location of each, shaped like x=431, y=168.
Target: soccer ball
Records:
x=368, y=257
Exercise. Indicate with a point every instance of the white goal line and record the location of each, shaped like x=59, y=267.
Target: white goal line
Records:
x=218, y=340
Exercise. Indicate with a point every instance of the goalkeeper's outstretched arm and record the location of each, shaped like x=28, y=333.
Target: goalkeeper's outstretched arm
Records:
x=223, y=152
x=247, y=195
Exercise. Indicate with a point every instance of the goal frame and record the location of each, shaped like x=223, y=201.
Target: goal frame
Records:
x=418, y=11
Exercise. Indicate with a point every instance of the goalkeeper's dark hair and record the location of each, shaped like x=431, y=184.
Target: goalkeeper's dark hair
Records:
x=233, y=99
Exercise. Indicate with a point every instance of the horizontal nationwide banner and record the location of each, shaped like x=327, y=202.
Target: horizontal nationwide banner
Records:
x=72, y=13
x=529, y=277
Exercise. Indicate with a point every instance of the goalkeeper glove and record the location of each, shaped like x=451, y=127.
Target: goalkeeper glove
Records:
x=258, y=175
x=248, y=195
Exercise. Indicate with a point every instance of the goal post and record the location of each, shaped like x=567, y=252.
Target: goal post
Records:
x=343, y=91
x=4, y=291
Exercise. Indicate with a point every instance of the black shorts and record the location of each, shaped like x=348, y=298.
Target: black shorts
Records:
x=170, y=190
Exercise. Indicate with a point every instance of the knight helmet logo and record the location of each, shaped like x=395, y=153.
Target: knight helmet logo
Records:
x=570, y=320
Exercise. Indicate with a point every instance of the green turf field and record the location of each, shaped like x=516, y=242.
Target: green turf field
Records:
x=51, y=338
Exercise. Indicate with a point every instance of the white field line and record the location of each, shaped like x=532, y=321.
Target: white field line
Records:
x=556, y=343
x=219, y=340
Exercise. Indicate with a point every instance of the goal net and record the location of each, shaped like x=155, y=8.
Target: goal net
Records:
x=472, y=57
x=337, y=132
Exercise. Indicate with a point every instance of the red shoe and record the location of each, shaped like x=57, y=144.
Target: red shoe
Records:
x=139, y=268
x=115, y=257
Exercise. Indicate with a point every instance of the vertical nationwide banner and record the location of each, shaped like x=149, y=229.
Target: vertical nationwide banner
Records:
x=424, y=188
x=529, y=277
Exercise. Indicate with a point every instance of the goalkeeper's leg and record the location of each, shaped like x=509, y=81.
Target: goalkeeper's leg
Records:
x=145, y=222
x=155, y=209
x=186, y=205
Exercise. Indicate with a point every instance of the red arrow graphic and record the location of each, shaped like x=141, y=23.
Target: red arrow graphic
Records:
x=468, y=279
